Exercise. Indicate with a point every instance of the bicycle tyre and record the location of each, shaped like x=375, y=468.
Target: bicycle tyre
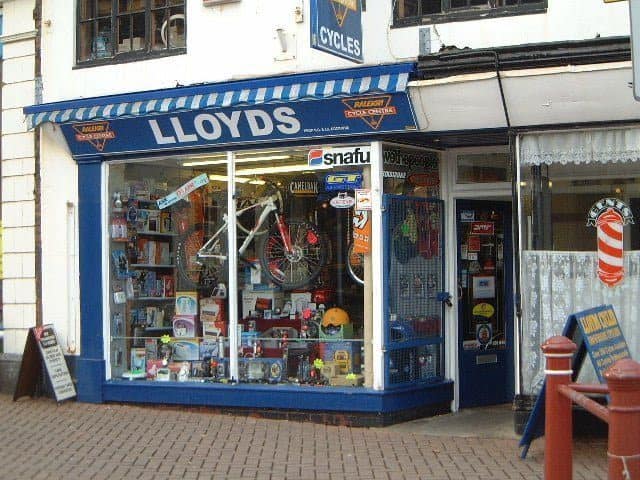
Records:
x=296, y=270
x=355, y=264
x=193, y=272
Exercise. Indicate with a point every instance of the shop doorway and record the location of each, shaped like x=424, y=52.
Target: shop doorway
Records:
x=485, y=303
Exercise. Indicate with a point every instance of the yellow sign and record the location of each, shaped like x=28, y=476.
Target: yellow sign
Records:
x=484, y=310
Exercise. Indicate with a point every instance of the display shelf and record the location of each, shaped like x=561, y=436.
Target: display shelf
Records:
x=151, y=265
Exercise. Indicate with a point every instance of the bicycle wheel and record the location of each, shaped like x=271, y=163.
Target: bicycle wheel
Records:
x=193, y=272
x=355, y=265
x=302, y=265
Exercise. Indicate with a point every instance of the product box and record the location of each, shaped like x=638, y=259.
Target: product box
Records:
x=186, y=303
x=212, y=316
x=209, y=348
x=184, y=326
x=138, y=360
x=151, y=348
x=345, y=355
x=300, y=301
x=185, y=350
x=261, y=300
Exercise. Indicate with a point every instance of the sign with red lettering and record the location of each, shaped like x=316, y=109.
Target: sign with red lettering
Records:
x=482, y=228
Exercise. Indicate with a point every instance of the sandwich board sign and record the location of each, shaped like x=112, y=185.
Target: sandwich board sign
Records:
x=595, y=331
x=42, y=348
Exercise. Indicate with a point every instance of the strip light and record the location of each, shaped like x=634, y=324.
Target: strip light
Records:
x=301, y=167
x=225, y=179
x=201, y=163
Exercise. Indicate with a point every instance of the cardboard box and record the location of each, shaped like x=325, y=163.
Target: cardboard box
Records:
x=346, y=355
x=300, y=301
x=261, y=300
x=184, y=326
x=185, y=350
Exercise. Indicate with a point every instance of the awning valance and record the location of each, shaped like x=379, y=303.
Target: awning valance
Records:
x=289, y=88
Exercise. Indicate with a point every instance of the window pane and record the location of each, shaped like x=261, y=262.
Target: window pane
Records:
x=483, y=168
x=459, y=3
x=407, y=8
x=157, y=22
x=85, y=41
x=127, y=6
x=101, y=45
x=431, y=6
x=104, y=7
x=87, y=9
x=124, y=34
x=158, y=3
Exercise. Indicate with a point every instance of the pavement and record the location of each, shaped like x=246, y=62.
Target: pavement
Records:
x=40, y=439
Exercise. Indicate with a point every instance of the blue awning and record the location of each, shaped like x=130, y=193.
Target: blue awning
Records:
x=289, y=88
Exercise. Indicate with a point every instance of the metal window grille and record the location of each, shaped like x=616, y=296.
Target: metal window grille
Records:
x=413, y=324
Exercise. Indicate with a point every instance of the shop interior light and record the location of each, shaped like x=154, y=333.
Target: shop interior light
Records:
x=224, y=178
x=202, y=163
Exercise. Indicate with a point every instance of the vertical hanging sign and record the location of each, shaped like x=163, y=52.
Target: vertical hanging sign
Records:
x=336, y=28
x=609, y=216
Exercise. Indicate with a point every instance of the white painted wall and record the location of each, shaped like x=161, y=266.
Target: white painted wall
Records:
x=238, y=40
x=18, y=166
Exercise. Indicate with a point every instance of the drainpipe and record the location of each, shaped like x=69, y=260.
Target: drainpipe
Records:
x=37, y=17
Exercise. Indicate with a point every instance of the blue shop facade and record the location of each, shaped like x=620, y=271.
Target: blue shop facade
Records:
x=272, y=245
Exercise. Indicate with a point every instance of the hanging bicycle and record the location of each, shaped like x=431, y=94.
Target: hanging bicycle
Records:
x=291, y=253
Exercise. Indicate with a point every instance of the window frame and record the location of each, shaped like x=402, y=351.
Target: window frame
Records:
x=147, y=52
x=471, y=13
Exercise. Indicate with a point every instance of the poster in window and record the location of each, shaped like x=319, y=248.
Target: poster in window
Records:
x=484, y=286
x=361, y=232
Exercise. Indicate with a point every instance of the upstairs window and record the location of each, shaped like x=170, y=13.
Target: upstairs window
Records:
x=440, y=11
x=129, y=29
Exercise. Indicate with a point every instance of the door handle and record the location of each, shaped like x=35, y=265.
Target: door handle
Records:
x=445, y=297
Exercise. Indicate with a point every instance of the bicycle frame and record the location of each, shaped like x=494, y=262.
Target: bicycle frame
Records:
x=269, y=205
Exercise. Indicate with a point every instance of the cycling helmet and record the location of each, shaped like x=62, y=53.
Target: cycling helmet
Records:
x=335, y=317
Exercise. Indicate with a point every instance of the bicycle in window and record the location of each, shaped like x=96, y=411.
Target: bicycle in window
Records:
x=291, y=252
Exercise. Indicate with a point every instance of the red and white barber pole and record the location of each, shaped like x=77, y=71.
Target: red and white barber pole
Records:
x=610, y=247
x=609, y=216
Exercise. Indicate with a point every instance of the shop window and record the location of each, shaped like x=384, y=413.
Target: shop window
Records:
x=483, y=168
x=439, y=11
x=580, y=248
x=111, y=30
x=301, y=279
x=411, y=172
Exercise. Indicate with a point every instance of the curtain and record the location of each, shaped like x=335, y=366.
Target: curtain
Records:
x=577, y=147
x=557, y=284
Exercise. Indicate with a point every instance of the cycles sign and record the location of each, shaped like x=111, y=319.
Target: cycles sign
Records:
x=336, y=28
x=241, y=125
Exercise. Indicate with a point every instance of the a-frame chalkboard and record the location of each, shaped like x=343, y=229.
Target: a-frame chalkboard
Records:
x=42, y=348
x=595, y=331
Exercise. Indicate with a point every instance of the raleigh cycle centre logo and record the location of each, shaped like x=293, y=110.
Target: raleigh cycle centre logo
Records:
x=96, y=133
x=371, y=109
x=341, y=9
